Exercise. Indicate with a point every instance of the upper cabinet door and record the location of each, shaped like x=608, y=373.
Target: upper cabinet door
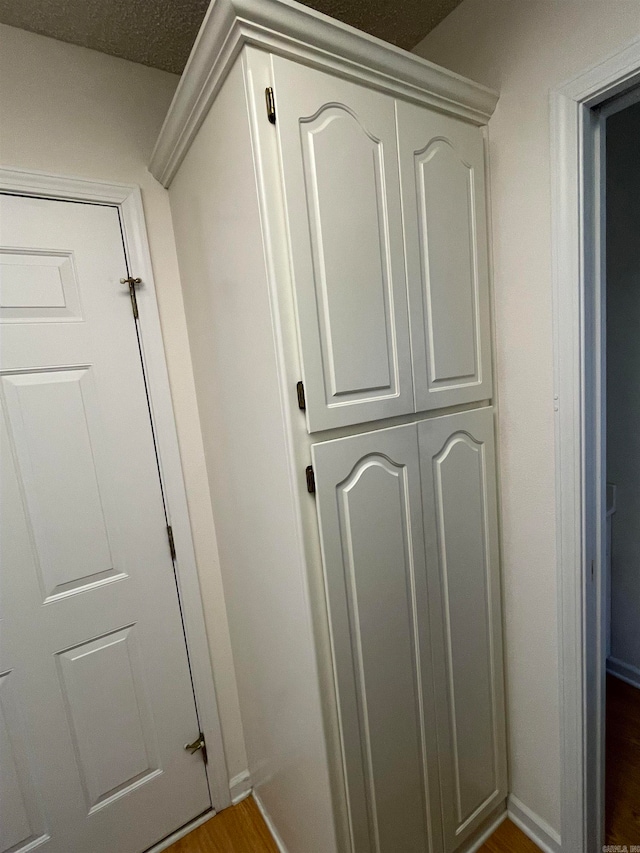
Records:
x=461, y=532
x=340, y=170
x=370, y=510
x=443, y=200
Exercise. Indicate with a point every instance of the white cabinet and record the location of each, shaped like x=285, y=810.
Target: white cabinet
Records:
x=340, y=173
x=444, y=210
x=409, y=533
x=340, y=239
x=343, y=151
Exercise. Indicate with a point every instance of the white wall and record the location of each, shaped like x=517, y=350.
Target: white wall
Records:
x=524, y=48
x=72, y=111
x=623, y=378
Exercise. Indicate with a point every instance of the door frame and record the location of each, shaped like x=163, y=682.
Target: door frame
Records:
x=580, y=433
x=128, y=201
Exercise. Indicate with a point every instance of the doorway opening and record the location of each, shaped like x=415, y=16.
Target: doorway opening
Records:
x=621, y=451
x=580, y=111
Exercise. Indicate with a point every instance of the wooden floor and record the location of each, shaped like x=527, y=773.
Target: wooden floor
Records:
x=622, y=801
x=509, y=839
x=241, y=829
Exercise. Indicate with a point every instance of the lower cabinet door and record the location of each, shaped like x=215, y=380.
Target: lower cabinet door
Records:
x=457, y=460
x=370, y=511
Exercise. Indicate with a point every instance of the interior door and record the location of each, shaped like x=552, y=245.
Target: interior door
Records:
x=340, y=171
x=457, y=460
x=369, y=507
x=96, y=702
x=444, y=210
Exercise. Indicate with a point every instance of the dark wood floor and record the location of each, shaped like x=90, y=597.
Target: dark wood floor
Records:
x=622, y=801
x=241, y=829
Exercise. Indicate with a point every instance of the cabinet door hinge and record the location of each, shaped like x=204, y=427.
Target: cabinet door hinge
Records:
x=302, y=403
x=172, y=544
x=271, y=104
x=132, y=282
x=198, y=745
x=311, y=479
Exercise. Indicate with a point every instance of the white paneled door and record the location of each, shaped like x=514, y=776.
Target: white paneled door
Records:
x=340, y=171
x=96, y=702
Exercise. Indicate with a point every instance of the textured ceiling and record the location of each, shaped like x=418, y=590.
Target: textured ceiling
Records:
x=160, y=33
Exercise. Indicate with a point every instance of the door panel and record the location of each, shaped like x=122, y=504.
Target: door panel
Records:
x=109, y=716
x=90, y=625
x=459, y=498
x=61, y=454
x=368, y=496
x=443, y=202
x=340, y=171
x=21, y=822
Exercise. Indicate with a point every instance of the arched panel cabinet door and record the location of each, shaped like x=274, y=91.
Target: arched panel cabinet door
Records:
x=461, y=532
x=369, y=505
x=443, y=200
x=339, y=164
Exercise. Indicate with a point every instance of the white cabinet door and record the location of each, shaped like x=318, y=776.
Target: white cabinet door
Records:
x=369, y=506
x=340, y=170
x=460, y=513
x=96, y=701
x=443, y=200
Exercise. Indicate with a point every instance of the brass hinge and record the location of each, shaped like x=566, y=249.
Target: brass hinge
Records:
x=197, y=745
x=271, y=104
x=311, y=479
x=302, y=403
x=132, y=282
x=172, y=544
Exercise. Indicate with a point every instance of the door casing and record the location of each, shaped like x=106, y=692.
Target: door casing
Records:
x=578, y=109
x=128, y=200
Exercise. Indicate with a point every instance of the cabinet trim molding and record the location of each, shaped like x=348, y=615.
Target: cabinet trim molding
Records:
x=286, y=28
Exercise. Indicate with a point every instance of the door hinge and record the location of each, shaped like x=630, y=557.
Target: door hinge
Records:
x=198, y=745
x=132, y=282
x=311, y=479
x=302, y=403
x=271, y=104
x=172, y=544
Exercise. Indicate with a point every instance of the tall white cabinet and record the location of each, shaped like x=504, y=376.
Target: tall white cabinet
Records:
x=329, y=203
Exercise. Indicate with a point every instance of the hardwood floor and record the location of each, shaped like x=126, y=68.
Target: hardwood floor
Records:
x=241, y=829
x=622, y=802
x=509, y=839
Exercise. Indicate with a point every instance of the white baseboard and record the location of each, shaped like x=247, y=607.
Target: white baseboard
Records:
x=537, y=829
x=624, y=671
x=240, y=787
x=180, y=833
x=486, y=833
x=267, y=819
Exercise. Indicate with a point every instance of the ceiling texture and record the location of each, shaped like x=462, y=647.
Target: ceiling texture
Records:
x=160, y=33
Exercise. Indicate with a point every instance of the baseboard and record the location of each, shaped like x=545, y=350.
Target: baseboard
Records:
x=537, y=829
x=486, y=831
x=180, y=833
x=624, y=671
x=267, y=819
x=240, y=787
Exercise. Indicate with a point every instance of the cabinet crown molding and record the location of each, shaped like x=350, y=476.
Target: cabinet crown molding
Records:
x=289, y=29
